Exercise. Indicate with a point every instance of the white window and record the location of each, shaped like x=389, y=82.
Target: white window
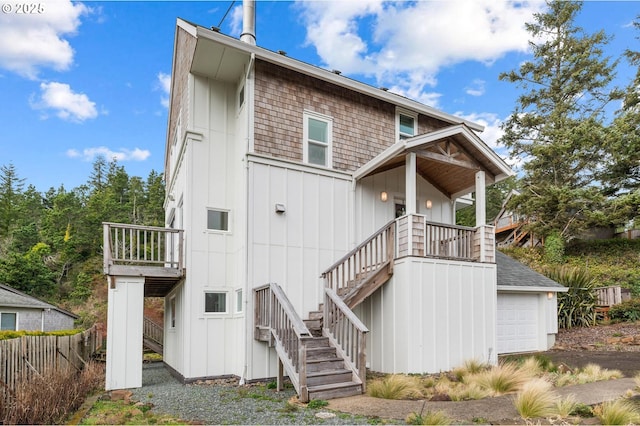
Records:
x=8, y=321
x=217, y=220
x=241, y=97
x=406, y=123
x=172, y=312
x=317, y=139
x=215, y=302
x=239, y=300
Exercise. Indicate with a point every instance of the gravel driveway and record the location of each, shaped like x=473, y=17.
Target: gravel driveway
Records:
x=224, y=402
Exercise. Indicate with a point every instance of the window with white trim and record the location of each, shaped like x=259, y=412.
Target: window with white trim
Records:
x=318, y=130
x=239, y=301
x=217, y=220
x=172, y=312
x=215, y=302
x=406, y=123
x=8, y=321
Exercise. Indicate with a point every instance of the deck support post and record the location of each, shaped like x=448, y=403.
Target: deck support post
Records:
x=280, y=379
x=124, y=333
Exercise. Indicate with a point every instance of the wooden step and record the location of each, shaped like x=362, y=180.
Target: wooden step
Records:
x=322, y=352
x=329, y=377
x=313, y=323
x=336, y=390
x=318, y=342
x=315, y=315
x=324, y=364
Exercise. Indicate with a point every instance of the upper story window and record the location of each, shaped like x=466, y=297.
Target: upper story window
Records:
x=407, y=124
x=318, y=131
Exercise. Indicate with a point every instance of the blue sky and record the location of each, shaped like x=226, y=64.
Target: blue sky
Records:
x=82, y=79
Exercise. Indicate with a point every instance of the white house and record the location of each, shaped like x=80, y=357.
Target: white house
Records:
x=301, y=203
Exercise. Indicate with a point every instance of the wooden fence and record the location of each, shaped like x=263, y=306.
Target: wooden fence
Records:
x=25, y=357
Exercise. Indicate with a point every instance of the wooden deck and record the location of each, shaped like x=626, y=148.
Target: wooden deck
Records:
x=144, y=251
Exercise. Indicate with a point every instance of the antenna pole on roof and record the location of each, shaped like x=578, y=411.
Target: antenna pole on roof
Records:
x=248, y=22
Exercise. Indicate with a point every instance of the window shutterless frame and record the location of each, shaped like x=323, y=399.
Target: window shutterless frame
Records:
x=317, y=139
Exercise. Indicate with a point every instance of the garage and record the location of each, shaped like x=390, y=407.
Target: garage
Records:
x=526, y=314
x=518, y=323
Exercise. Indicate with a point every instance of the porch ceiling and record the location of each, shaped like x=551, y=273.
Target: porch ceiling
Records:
x=447, y=158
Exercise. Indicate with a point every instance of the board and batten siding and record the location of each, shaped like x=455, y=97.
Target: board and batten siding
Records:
x=432, y=316
x=294, y=247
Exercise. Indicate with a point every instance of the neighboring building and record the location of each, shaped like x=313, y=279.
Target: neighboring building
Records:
x=19, y=311
x=288, y=187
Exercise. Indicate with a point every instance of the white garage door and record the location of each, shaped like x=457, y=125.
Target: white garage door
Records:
x=518, y=323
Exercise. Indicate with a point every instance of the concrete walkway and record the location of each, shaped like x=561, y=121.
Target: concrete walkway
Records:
x=495, y=409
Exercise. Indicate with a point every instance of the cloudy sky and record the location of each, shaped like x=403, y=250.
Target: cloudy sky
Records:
x=82, y=79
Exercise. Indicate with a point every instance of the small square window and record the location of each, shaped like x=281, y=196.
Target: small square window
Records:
x=215, y=302
x=239, y=300
x=8, y=321
x=217, y=220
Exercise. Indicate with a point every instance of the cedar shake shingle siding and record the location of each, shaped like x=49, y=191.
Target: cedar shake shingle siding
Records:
x=362, y=126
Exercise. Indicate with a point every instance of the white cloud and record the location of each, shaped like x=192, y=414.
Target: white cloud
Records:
x=89, y=154
x=66, y=104
x=164, y=85
x=413, y=41
x=29, y=42
x=476, y=88
x=236, y=21
x=491, y=122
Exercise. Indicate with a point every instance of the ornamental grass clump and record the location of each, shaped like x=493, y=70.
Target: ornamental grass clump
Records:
x=536, y=399
x=395, y=386
x=504, y=378
x=429, y=418
x=565, y=407
x=588, y=374
x=618, y=412
x=469, y=367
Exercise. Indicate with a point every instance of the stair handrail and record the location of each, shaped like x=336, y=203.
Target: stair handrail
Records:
x=153, y=331
x=275, y=311
x=373, y=253
x=347, y=333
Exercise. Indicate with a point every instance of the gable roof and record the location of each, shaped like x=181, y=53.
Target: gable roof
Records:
x=10, y=297
x=448, y=158
x=225, y=58
x=513, y=275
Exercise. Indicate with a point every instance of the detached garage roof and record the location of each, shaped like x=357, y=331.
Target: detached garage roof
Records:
x=10, y=297
x=514, y=276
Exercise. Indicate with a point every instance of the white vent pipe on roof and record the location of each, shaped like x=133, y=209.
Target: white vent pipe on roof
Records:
x=248, y=22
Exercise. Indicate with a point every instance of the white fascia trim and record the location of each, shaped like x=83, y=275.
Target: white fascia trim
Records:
x=524, y=289
x=329, y=76
x=379, y=159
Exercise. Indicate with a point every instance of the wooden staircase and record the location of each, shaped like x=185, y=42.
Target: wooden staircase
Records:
x=327, y=376
x=152, y=336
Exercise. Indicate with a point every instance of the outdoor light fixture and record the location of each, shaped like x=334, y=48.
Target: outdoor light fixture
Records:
x=383, y=196
x=550, y=295
x=429, y=204
x=280, y=208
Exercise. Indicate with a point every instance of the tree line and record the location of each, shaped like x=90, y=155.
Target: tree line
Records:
x=51, y=242
x=575, y=134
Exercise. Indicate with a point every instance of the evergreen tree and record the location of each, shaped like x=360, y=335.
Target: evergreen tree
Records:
x=556, y=126
x=11, y=188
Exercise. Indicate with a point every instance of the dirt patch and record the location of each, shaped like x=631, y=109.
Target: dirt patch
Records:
x=613, y=346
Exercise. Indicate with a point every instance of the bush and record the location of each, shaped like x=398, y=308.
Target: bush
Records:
x=50, y=398
x=554, y=248
x=577, y=306
x=629, y=310
x=395, y=386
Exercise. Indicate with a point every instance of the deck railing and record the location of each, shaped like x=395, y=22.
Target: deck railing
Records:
x=419, y=237
x=142, y=246
x=347, y=333
x=372, y=254
x=275, y=312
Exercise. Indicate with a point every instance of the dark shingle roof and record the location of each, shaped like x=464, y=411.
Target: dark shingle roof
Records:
x=11, y=297
x=512, y=273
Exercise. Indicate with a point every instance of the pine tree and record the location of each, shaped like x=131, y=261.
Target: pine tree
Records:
x=556, y=127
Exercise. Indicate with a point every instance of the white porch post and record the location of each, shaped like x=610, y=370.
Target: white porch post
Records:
x=410, y=183
x=124, y=333
x=481, y=200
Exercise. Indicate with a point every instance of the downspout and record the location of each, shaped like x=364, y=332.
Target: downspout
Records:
x=250, y=111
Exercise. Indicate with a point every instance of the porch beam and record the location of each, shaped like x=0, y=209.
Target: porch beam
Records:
x=447, y=159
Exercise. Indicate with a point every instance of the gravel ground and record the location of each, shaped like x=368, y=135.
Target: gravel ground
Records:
x=224, y=402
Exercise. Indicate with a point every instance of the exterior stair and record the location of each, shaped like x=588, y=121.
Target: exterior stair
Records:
x=327, y=376
x=152, y=336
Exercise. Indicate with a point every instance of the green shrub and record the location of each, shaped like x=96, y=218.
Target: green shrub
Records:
x=629, y=310
x=317, y=403
x=554, y=248
x=10, y=334
x=576, y=307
